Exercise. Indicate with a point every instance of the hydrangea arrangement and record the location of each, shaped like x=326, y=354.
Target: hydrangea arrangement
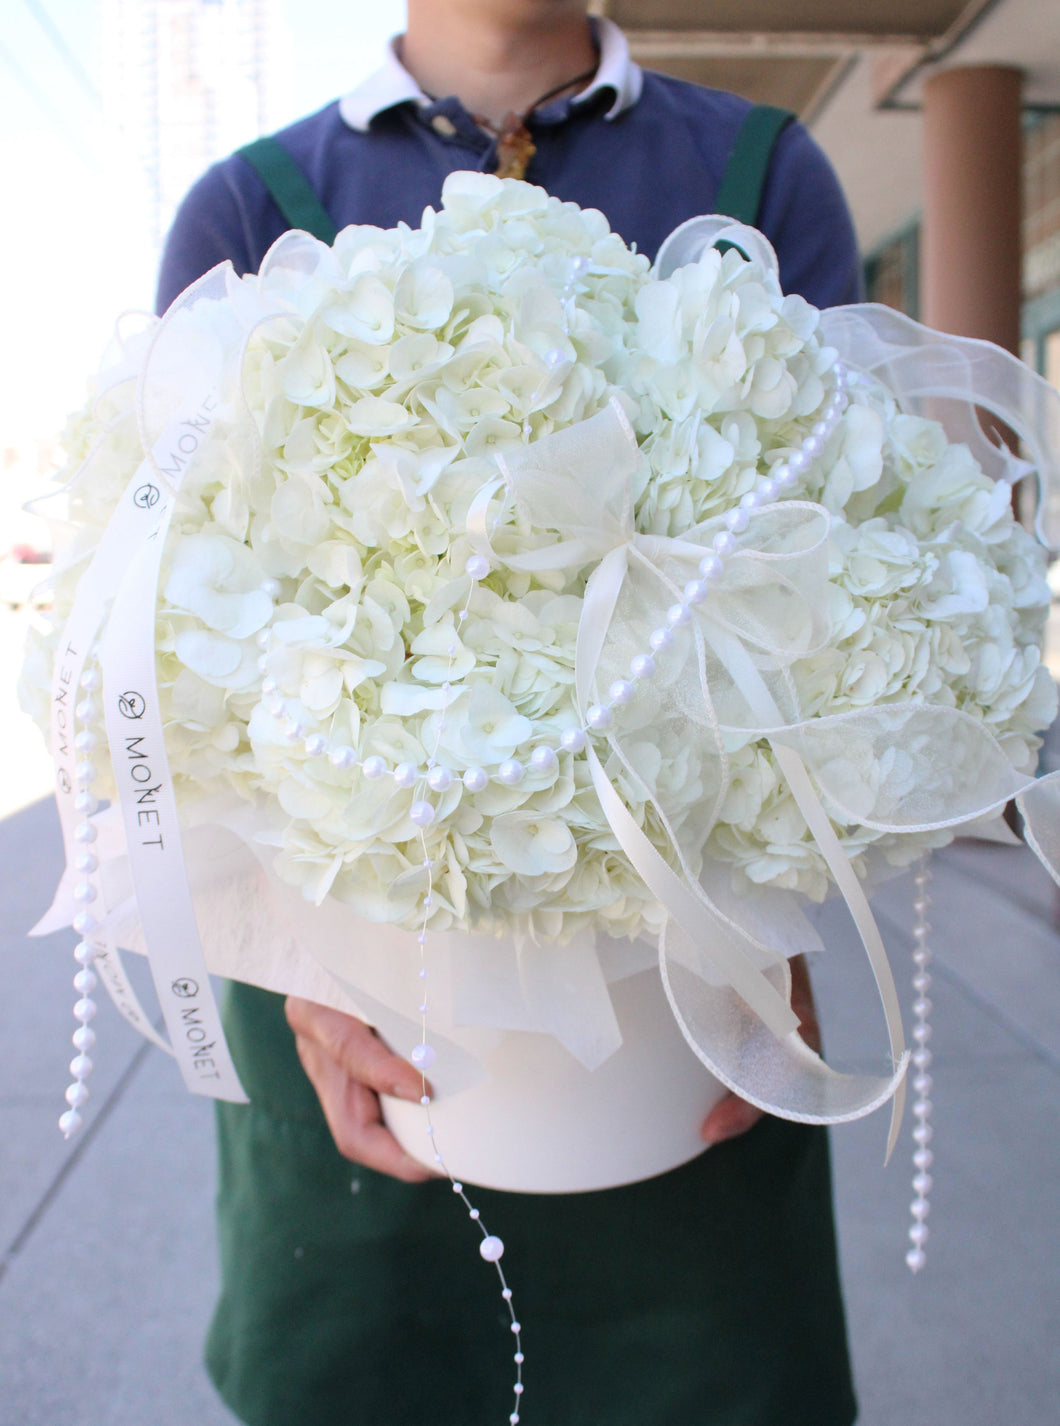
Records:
x=334, y=649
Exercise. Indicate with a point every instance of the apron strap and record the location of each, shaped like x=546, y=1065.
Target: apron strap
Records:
x=289, y=188
x=739, y=195
x=742, y=183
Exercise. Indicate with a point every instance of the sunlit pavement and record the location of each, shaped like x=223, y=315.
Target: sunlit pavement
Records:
x=108, y=1270
x=25, y=770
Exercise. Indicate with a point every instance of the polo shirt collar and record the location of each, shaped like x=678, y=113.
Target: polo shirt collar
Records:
x=391, y=84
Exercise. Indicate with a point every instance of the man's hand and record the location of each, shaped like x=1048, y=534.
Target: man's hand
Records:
x=733, y=1116
x=349, y=1067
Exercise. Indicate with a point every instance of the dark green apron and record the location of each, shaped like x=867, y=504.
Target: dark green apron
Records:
x=706, y=1297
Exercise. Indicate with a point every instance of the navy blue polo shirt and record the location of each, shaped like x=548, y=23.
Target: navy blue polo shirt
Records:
x=648, y=167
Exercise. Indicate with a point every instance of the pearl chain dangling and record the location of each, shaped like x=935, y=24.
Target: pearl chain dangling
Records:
x=921, y=1059
x=423, y=1054
x=510, y=773
x=86, y=893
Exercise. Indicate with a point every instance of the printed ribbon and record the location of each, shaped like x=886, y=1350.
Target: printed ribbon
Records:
x=131, y=522
x=903, y=768
x=149, y=812
x=119, y=591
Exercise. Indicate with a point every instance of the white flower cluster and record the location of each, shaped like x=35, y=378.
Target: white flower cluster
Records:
x=324, y=586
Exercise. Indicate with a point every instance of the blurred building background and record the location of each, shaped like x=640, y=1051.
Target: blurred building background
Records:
x=134, y=99
x=109, y=111
x=942, y=118
x=184, y=83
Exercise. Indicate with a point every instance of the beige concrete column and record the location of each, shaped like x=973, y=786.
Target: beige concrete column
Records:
x=970, y=239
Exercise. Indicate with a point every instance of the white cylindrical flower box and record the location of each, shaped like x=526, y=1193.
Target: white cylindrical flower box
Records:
x=513, y=1109
x=540, y=1122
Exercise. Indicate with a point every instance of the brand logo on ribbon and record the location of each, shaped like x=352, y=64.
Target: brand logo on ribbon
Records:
x=132, y=705
x=144, y=783
x=147, y=496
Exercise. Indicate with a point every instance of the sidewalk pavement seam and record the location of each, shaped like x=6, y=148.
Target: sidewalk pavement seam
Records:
x=84, y=1139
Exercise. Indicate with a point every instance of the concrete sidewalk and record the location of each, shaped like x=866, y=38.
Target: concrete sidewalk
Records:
x=108, y=1273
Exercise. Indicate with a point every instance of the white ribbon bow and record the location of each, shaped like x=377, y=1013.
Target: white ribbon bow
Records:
x=906, y=767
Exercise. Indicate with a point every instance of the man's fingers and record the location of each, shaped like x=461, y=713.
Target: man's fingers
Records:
x=802, y=1002
x=355, y=1048
x=729, y=1118
x=349, y=1067
x=354, y=1117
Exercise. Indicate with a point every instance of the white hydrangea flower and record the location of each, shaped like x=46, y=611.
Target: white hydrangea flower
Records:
x=402, y=364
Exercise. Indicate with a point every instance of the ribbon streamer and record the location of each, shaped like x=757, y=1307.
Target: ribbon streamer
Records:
x=120, y=587
x=133, y=520
x=573, y=491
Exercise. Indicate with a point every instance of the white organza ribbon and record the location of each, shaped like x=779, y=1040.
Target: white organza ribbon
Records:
x=900, y=768
x=952, y=379
x=948, y=378
x=1039, y=805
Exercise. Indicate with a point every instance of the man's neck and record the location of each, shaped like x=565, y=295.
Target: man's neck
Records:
x=496, y=56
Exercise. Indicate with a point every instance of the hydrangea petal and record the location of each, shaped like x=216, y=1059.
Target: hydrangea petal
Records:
x=531, y=845
x=375, y=416
x=365, y=312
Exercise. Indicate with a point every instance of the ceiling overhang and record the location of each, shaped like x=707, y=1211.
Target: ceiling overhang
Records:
x=1017, y=34
x=789, y=52
x=853, y=69
x=862, y=20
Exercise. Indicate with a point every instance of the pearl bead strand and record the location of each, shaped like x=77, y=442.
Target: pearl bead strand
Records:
x=922, y=1132
x=423, y=1055
x=782, y=478
x=598, y=719
x=86, y=891
x=437, y=779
